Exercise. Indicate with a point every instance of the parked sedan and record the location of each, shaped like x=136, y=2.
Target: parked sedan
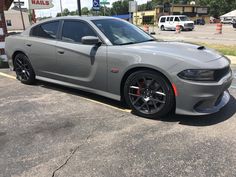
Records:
x=116, y=59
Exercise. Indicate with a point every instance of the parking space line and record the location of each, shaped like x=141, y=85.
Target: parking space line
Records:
x=107, y=105
x=7, y=75
x=87, y=99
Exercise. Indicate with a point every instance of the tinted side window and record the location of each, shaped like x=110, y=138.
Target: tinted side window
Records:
x=73, y=31
x=168, y=19
x=46, y=30
x=176, y=19
x=171, y=19
x=163, y=19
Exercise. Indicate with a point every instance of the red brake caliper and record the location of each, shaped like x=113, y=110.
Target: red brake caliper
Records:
x=138, y=92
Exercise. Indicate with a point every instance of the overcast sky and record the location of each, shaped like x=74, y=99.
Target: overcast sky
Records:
x=70, y=4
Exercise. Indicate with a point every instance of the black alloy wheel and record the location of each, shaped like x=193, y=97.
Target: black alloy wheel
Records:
x=24, y=70
x=149, y=94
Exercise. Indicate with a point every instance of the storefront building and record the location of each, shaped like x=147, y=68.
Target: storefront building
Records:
x=151, y=17
x=4, y=5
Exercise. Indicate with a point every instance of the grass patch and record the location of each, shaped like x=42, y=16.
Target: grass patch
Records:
x=224, y=49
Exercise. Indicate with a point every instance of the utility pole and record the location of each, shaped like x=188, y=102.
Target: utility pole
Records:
x=61, y=7
x=22, y=18
x=79, y=7
x=104, y=12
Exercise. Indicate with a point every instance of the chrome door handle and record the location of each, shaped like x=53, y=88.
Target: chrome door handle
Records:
x=29, y=45
x=60, y=51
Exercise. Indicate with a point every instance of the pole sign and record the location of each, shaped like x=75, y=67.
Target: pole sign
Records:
x=96, y=5
x=40, y=4
x=133, y=6
x=104, y=2
x=18, y=4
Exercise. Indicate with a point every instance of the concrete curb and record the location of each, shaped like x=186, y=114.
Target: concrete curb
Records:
x=232, y=58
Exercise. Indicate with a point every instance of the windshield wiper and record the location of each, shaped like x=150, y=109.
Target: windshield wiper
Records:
x=127, y=43
x=148, y=40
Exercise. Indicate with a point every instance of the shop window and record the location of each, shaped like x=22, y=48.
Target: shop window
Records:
x=8, y=22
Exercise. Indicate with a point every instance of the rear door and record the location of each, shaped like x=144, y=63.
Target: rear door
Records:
x=167, y=23
x=171, y=22
x=41, y=48
x=77, y=63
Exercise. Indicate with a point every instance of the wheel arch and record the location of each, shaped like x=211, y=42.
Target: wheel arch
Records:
x=14, y=55
x=162, y=26
x=140, y=68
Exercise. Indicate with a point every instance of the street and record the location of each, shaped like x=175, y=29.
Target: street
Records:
x=49, y=130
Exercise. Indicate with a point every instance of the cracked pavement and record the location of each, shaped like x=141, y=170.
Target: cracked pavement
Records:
x=48, y=130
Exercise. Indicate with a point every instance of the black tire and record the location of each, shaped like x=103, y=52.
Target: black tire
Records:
x=162, y=28
x=24, y=70
x=149, y=94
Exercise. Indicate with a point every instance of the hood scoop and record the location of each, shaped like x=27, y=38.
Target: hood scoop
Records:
x=201, y=48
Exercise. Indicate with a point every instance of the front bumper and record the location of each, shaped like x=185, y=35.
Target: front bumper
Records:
x=189, y=26
x=200, y=98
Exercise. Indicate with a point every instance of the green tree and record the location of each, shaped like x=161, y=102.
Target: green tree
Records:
x=58, y=15
x=73, y=13
x=84, y=11
x=65, y=12
x=120, y=7
x=218, y=7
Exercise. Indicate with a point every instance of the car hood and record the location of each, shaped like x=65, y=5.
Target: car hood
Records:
x=180, y=50
x=187, y=21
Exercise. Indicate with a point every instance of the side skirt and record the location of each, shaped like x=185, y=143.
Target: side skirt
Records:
x=98, y=92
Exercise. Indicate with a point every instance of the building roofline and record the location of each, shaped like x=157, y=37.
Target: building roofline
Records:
x=7, y=4
x=183, y=5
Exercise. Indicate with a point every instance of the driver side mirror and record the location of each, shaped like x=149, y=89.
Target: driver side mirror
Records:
x=90, y=40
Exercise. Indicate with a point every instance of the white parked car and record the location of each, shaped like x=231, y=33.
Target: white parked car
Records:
x=226, y=20
x=169, y=22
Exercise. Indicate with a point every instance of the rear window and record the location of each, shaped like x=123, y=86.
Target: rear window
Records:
x=46, y=30
x=163, y=19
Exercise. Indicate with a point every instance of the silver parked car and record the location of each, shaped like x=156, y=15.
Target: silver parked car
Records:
x=116, y=59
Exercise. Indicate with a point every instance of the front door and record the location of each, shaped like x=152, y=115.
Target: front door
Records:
x=77, y=63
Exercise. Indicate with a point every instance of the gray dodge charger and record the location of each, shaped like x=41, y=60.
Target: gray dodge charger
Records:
x=116, y=59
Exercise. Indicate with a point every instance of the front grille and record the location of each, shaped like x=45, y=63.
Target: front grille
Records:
x=188, y=24
x=220, y=73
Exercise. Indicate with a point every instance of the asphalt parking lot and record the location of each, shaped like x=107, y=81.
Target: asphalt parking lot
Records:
x=49, y=130
x=202, y=34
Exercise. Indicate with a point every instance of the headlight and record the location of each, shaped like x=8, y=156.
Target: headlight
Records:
x=197, y=75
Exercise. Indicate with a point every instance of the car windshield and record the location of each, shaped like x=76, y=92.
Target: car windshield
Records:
x=122, y=33
x=184, y=18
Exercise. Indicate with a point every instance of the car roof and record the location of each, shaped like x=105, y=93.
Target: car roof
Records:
x=174, y=16
x=86, y=18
